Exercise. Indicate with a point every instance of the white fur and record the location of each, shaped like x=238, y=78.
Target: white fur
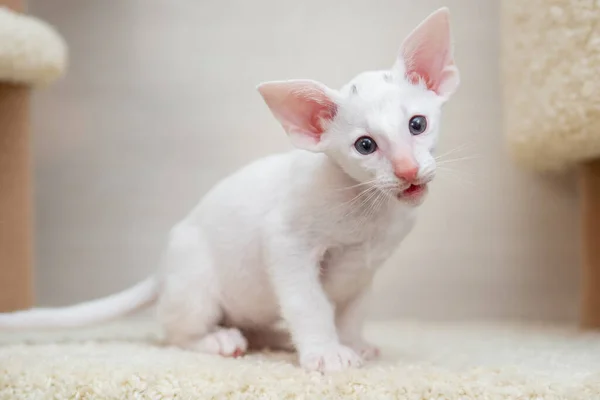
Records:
x=294, y=237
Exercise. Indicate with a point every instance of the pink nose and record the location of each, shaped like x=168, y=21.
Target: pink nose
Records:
x=407, y=173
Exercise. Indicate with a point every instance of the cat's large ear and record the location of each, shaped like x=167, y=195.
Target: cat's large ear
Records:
x=426, y=55
x=303, y=107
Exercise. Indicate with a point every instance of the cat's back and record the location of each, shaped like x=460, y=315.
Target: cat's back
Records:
x=254, y=189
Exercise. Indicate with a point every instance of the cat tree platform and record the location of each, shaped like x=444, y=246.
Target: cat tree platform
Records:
x=32, y=55
x=420, y=361
x=550, y=64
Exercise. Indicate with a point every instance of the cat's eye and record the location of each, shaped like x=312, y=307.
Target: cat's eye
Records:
x=365, y=145
x=417, y=125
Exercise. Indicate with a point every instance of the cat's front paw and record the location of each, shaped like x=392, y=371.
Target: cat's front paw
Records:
x=334, y=357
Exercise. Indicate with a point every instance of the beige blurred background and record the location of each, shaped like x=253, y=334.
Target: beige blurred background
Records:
x=160, y=103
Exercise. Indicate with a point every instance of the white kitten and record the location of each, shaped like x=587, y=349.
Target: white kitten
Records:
x=298, y=236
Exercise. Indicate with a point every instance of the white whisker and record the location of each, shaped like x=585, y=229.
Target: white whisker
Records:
x=353, y=200
x=358, y=185
x=452, y=160
x=458, y=148
x=457, y=175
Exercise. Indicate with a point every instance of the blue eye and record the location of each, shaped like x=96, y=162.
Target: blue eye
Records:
x=417, y=125
x=365, y=145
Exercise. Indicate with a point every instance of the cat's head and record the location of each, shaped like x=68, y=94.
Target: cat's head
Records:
x=381, y=127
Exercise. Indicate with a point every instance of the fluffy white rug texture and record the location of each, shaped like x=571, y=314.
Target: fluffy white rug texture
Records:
x=125, y=360
x=550, y=56
x=31, y=50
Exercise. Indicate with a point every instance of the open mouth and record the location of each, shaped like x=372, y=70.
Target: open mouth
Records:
x=413, y=191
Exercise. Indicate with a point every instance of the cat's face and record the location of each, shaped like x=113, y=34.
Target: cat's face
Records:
x=382, y=127
x=385, y=132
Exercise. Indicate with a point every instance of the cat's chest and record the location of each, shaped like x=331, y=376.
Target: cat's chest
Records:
x=350, y=264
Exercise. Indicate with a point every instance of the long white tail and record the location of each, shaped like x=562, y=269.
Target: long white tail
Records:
x=92, y=312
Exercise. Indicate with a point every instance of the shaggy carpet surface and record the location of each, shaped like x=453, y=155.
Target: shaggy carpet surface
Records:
x=420, y=361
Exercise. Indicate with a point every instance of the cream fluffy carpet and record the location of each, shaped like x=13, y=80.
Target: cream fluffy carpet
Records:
x=124, y=361
x=550, y=57
x=31, y=50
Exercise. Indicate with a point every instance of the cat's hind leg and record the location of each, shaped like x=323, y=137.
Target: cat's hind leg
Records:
x=189, y=305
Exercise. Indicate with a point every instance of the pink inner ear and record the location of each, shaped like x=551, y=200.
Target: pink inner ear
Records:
x=300, y=106
x=428, y=68
x=308, y=114
x=426, y=52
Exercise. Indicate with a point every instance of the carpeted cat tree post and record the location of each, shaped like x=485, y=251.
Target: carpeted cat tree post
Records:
x=551, y=81
x=32, y=55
